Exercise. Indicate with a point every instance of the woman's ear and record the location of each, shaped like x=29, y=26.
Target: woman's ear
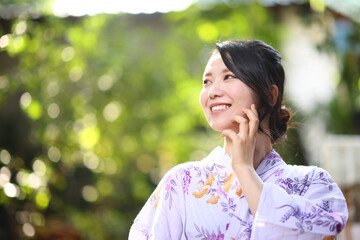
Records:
x=274, y=94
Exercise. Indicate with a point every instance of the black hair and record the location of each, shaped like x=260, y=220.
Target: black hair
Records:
x=258, y=65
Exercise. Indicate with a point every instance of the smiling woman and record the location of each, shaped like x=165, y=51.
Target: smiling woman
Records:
x=223, y=95
x=243, y=190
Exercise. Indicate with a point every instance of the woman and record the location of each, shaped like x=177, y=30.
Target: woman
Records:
x=244, y=190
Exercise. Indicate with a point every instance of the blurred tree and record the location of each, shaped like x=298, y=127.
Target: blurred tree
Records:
x=94, y=110
x=345, y=106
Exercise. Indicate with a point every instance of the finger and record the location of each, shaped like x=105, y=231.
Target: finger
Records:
x=243, y=126
x=229, y=134
x=253, y=108
x=251, y=114
x=253, y=120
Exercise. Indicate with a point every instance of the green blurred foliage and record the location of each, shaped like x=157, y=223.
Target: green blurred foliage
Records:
x=94, y=110
x=345, y=107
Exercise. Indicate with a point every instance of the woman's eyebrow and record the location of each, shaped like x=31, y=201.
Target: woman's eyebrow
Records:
x=225, y=70
x=208, y=74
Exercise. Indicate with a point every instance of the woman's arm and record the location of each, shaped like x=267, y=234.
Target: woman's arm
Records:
x=162, y=216
x=317, y=212
x=242, y=155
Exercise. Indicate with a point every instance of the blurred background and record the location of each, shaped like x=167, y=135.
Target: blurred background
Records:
x=98, y=99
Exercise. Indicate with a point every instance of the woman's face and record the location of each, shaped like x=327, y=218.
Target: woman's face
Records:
x=224, y=96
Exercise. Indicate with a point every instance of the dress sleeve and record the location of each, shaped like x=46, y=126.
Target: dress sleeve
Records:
x=304, y=209
x=162, y=216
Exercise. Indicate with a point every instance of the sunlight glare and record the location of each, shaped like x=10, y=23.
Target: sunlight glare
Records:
x=63, y=8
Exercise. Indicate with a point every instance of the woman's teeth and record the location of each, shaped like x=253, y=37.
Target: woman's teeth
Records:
x=219, y=107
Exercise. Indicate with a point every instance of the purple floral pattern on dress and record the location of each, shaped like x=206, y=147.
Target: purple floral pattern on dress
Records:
x=170, y=189
x=295, y=186
x=324, y=179
x=319, y=215
x=272, y=158
x=308, y=220
x=186, y=182
x=204, y=234
x=278, y=172
x=246, y=233
x=300, y=186
x=229, y=206
x=146, y=234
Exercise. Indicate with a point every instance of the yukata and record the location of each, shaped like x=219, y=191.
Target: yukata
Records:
x=204, y=200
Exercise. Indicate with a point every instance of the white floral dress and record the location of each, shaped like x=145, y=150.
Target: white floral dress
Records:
x=203, y=200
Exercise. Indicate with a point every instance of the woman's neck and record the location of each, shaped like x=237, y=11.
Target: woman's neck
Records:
x=262, y=148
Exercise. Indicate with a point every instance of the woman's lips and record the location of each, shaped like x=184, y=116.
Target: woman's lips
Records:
x=217, y=108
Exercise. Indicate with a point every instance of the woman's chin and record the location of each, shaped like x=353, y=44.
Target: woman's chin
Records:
x=220, y=127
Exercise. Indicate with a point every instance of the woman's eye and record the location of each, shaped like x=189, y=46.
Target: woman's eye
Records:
x=229, y=76
x=206, y=81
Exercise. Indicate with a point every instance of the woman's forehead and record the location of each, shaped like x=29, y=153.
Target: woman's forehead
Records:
x=215, y=63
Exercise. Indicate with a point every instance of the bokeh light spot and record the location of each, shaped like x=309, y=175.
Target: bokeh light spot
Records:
x=20, y=28
x=16, y=44
x=34, y=110
x=89, y=137
x=67, y=54
x=11, y=190
x=4, y=41
x=53, y=110
x=75, y=74
x=4, y=171
x=207, y=32
x=5, y=157
x=28, y=230
x=89, y=193
x=91, y=161
x=42, y=199
x=22, y=178
x=54, y=154
x=112, y=111
x=52, y=89
x=5, y=176
x=34, y=181
x=105, y=82
x=318, y=5
x=39, y=167
x=25, y=100
x=38, y=219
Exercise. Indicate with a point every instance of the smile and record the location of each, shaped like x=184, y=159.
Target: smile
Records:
x=219, y=107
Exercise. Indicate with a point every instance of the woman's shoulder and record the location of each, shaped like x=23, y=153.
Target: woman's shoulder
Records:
x=311, y=173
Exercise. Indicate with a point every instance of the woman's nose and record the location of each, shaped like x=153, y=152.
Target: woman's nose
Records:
x=215, y=90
